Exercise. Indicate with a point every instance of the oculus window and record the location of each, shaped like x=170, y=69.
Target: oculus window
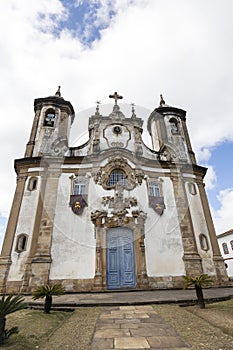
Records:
x=117, y=176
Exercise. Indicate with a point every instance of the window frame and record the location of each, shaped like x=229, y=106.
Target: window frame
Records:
x=32, y=183
x=114, y=178
x=204, y=242
x=19, y=247
x=192, y=188
x=79, y=186
x=51, y=120
x=231, y=244
x=225, y=248
x=154, y=189
x=174, y=130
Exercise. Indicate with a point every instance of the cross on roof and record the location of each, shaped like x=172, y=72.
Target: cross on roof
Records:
x=116, y=97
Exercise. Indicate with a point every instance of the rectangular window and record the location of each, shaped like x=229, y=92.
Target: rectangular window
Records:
x=79, y=188
x=154, y=190
x=225, y=248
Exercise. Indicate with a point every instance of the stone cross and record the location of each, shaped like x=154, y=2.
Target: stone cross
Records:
x=116, y=97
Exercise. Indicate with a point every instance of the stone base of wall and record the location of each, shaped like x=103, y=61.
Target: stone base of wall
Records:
x=167, y=282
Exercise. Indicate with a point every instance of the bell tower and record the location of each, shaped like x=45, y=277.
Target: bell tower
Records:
x=26, y=251
x=167, y=127
x=51, y=126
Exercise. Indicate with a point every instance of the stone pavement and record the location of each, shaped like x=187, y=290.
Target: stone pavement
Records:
x=134, y=327
x=128, y=321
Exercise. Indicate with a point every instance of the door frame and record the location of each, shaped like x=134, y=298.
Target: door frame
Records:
x=137, y=227
x=121, y=234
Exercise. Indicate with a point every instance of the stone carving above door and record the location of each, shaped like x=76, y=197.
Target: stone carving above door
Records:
x=117, y=210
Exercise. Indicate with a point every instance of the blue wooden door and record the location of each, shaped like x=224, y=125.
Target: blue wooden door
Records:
x=120, y=259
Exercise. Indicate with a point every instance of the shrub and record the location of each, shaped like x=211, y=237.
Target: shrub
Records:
x=47, y=292
x=9, y=305
x=198, y=282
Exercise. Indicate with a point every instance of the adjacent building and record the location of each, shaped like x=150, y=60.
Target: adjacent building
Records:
x=225, y=241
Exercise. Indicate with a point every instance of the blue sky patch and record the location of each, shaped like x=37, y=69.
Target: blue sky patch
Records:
x=83, y=22
x=221, y=158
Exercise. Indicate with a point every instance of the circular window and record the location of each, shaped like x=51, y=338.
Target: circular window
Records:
x=117, y=130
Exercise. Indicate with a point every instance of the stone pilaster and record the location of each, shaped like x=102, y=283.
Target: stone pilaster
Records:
x=142, y=278
x=188, y=143
x=98, y=279
x=191, y=258
x=31, y=142
x=5, y=259
x=39, y=260
x=221, y=274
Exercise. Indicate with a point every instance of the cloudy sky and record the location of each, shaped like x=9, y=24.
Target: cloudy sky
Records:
x=140, y=48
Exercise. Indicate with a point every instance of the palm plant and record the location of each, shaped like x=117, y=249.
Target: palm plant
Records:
x=8, y=305
x=198, y=282
x=47, y=292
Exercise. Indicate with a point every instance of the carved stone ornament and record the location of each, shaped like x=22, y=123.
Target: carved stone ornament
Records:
x=167, y=153
x=59, y=147
x=78, y=202
x=134, y=177
x=119, y=210
x=157, y=203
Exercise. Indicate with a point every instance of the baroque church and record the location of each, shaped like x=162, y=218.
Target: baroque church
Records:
x=111, y=213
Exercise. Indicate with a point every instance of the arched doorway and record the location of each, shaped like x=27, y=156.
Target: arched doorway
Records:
x=120, y=264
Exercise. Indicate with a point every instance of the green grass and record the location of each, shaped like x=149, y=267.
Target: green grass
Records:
x=218, y=314
x=34, y=327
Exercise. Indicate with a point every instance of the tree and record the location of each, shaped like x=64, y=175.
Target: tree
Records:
x=47, y=292
x=9, y=305
x=198, y=282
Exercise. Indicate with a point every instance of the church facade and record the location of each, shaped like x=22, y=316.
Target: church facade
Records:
x=112, y=213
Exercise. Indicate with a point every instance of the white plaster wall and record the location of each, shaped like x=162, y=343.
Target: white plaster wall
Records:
x=200, y=226
x=25, y=225
x=228, y=258
x=154, y=136
x=163, y=242
x=73, y=242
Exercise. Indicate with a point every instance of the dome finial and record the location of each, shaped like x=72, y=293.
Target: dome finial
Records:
x=58, y=93
x=133, y=110
x=97, y=111
x=162, y=102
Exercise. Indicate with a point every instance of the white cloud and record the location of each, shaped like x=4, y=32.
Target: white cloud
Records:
x=210, y=178
x=223, y=217
x=203, y=154
x=179, y=48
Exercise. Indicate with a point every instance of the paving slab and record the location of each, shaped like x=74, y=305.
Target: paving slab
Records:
x=131, y=343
